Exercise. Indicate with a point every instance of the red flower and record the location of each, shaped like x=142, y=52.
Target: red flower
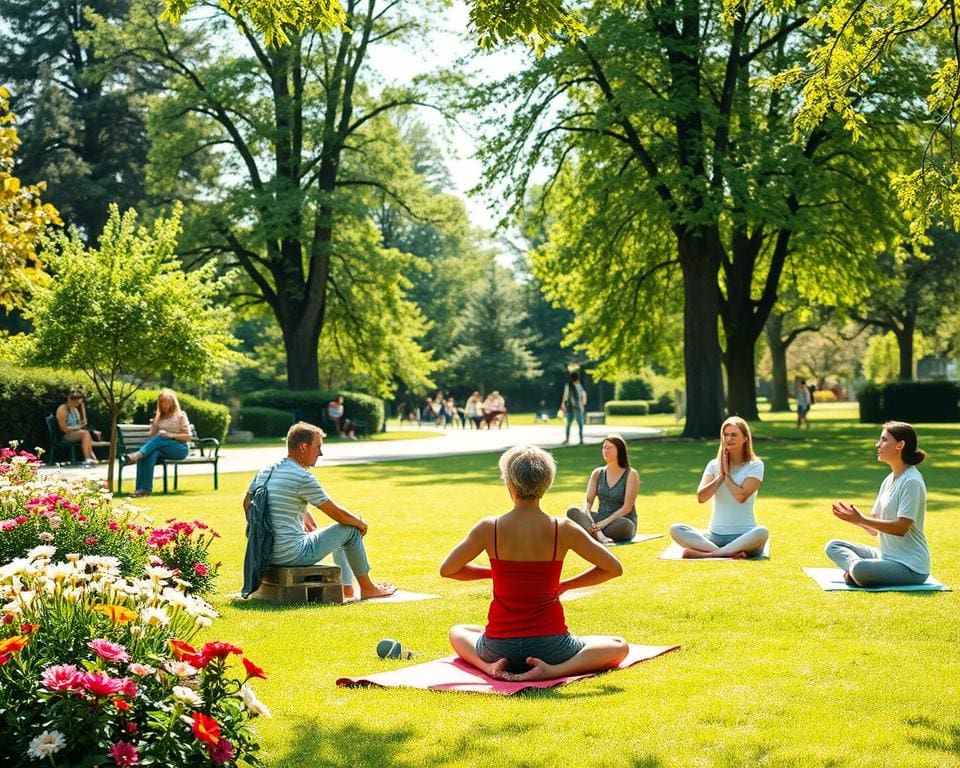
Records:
x=206, y=729
x=181, y=650
x=28, y=628
x=200, y=569
x=91, y=540
x=7, y=618
x=217, y=650
x=4, y=658
x=252, y=669
x=13, y=644
x=122, y=704
x=124, y=753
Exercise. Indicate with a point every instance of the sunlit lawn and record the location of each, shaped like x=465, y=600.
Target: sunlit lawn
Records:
x=772, y=671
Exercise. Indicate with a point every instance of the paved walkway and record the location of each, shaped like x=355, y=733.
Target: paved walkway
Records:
x=234, y=457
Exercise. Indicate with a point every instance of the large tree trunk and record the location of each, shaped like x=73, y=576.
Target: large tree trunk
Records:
x=780, y=399
x=904, y=336
x=303, y=361
x=701, y=340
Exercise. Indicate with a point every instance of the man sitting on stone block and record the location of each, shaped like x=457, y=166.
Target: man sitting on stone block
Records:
x=297, y=540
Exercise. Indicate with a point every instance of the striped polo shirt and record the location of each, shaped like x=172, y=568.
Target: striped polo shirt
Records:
x=289, y=490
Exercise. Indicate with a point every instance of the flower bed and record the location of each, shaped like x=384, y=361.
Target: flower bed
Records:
x=77, y=516
x=96, y=668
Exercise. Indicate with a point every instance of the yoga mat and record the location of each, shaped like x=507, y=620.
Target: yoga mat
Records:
x=675, y=552
x=400, y=596
x=454, y=674
x=635, y=540
x=831, y=580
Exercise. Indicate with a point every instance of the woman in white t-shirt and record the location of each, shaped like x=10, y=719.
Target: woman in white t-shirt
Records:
x=896, y=519
x=732, y=480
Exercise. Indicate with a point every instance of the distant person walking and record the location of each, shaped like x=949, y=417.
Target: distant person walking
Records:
x=803, y=403
x=573, y=404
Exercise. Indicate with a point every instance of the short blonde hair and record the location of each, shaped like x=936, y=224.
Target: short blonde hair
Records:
x=302, y=432
x=529, y=469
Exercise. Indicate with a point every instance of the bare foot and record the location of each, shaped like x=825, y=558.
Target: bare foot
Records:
x=498, y=670
x=849, y=579
x=539, y=670
x=741, y=555
x=380, y=590
x=695, y=554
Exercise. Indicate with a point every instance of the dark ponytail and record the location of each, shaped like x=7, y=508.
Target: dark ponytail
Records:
x=902, y=431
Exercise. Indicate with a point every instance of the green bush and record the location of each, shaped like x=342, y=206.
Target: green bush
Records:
x=210, y=419
x=663, y=404
x=633, y=389
x=311, y=405
x=264, y=422
x=28, y=395
x=912, y=401
x=626, y=408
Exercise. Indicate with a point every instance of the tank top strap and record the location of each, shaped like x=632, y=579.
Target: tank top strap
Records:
x=495, y=554
x=556, y=529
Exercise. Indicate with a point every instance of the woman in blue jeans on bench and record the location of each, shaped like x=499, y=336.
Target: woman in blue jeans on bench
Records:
x=169, y=439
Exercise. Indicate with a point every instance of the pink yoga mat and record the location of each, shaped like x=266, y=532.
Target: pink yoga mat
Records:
x=454, y=674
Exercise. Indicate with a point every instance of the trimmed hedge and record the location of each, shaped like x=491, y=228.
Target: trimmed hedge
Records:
x=210, y=419
x=912, y=401
x=626, y=408
x=312, y=404
x=29, y=395
x=264, y=422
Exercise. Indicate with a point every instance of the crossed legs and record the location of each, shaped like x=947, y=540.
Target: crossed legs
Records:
x=698, y=544
x=599, y=652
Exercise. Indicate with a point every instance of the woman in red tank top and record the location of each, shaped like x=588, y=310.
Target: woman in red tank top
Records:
x=526, y=636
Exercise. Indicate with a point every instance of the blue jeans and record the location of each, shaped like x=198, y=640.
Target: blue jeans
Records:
x=152, y=450
x=346, y=545
x=574, y=413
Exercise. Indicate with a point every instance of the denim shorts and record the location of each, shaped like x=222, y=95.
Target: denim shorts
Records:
x=552, y=649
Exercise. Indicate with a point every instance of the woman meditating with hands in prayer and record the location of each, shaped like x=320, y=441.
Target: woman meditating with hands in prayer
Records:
x=614, y=486
x=896, y=518
x=731, y=480
x=526, y=636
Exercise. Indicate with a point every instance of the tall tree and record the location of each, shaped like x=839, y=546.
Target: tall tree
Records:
x=280, y=144
x=23, y=218
x=84, y=122
x=124, y=313
x=493, y=349
x=913, y=289
x=676, y=183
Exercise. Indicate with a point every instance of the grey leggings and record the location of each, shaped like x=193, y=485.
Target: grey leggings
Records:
x=867, y=567
x=621, y=529
x=751, y=542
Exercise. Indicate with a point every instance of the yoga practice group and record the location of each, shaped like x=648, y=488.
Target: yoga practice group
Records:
x=526, y=636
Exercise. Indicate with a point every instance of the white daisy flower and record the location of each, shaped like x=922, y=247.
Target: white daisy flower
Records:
x=252, y=703
x=187, y=696
x=46, y=744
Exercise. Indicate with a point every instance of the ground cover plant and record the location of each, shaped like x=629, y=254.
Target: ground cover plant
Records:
x=772, y=671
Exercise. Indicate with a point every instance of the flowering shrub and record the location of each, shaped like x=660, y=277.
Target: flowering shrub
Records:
x=77, y=516
x=97, y=669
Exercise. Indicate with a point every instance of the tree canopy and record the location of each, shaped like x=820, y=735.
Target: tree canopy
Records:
x=125, y=313
x=23, y=218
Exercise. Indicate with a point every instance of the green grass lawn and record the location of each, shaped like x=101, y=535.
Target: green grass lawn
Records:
x=772, y=671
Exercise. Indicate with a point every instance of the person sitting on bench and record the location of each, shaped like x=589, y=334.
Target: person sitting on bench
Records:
x=72, y=421
x=526, y=637
x=297, y=539
x=896, y=519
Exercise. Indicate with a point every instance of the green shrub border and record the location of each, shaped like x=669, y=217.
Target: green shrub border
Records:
x=264, y=422
x=311, y=405
x=929, y=402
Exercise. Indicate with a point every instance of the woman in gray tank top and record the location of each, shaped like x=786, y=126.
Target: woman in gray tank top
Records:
x=614, y=486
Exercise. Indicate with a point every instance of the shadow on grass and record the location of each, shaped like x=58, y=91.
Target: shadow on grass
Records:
x=320, y=743
x=935, y=735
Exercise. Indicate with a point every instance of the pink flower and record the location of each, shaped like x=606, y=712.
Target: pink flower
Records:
x=124, y=754
x=221, y=752
x=129, y=688
x=113, y=525
x=200, y=569
x=91, y=540
x=101, y=684
x=109, y=651
x=62, y=677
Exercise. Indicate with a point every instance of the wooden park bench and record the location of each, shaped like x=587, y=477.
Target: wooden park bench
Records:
x=203, y=450
x=303, y=584
x=57, y=443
